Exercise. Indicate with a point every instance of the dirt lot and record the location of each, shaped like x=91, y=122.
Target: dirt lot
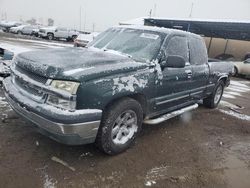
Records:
x=206, y=148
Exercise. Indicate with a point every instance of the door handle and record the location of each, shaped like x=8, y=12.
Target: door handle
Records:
x=189, y=73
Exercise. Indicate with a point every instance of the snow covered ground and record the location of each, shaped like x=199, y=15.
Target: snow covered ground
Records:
x=230, y=104
x=16, y=45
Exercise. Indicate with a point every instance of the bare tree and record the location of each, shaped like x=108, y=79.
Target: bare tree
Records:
x=32, y=21
x=50, y=22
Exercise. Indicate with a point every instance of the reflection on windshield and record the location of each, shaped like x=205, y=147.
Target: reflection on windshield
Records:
x=141, y=45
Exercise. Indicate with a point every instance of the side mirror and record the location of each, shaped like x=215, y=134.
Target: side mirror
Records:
x=56, y=30
x=247, y=61
x=174, y=61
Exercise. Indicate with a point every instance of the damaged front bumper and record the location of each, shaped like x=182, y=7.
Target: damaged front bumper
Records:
x=72, y=128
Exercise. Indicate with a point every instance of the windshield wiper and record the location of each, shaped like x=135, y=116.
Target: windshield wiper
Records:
x=117, y=52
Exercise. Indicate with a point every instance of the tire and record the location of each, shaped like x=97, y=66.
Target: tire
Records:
x=19, y=32
x=74, y=37
x=236, y=72
x=115, y=135
x=50, y=36
x=214, y=99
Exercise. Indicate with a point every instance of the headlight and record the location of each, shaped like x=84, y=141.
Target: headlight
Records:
x=67, y=86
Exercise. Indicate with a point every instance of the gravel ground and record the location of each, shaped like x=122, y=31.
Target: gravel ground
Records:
x=204, y=148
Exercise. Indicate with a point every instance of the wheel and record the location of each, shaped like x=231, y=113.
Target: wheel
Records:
x=19, y=32
x=235, y=71
x=74, y=37
x=120, y=125
x=214, y=99
x=50, y=36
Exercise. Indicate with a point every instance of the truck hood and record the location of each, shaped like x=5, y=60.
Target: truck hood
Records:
x=80, y=64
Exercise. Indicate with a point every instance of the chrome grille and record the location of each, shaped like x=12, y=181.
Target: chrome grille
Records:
x=25, y=86
x=31, y=75
x=30, y=89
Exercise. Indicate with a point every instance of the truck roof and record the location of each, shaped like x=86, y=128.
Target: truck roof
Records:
x=159, y=29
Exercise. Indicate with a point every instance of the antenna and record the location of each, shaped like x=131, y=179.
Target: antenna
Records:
x=80, y=18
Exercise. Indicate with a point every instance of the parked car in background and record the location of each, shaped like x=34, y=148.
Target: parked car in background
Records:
x=27, y=30
x=64, y=33
x=104, y=92
x=5, y=25
x=225, y=57
x=47, y=32
x=17, y=30
x=83, y=39
x=58, y=33
x=35, y=32
x=242, y=67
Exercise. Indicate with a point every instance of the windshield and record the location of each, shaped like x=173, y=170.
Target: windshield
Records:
x=141, y=45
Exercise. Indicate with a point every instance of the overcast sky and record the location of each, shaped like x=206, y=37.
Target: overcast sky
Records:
x=105, y=13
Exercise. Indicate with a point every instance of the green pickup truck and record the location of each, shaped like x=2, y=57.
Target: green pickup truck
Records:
x=104, y=92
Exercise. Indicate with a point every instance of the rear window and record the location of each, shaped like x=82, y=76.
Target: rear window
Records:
x=198, y=51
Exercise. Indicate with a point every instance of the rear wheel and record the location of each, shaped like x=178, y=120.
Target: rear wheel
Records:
x=120, y=125
x=235, y=71
x=74, y=37
x=214, y=99
x=50, y=36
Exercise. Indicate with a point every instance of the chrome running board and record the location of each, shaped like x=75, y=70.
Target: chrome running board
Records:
x=170, y=115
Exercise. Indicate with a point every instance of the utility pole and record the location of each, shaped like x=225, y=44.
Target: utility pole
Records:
x=191, y=11
x=80, y=18
x=150, y=13
x=155, y=6
x=85, y=15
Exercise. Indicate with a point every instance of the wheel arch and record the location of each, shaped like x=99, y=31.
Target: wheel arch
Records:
x=224, y=79
x=141, y=98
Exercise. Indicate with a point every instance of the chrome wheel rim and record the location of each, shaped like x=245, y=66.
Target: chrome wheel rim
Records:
x=125, y=127
x=218, y=94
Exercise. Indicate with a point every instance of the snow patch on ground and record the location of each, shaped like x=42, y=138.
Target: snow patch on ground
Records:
x=14, y=48
x=236, y=83
x=228, y=96
x=49, y=182
x=3, y=102
x=42, y=42
x=235, y=114
x=233, y=93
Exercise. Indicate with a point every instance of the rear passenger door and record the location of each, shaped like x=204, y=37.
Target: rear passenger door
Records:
x=61, y=32
x=199, y=64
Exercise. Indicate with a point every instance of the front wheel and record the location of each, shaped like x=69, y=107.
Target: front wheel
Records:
x=50, y=36
x=214, y=99
x=120, y=125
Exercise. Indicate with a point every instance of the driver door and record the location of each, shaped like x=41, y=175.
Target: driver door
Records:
x=174, y=90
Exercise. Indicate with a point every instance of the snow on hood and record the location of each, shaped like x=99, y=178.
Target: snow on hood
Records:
x=76, y=63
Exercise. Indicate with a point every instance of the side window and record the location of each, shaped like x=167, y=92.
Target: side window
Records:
x=178, y=45
x=198, y=51
x=62, y=29
x=247, y=61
